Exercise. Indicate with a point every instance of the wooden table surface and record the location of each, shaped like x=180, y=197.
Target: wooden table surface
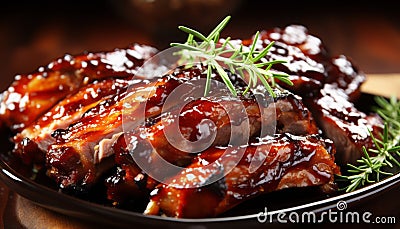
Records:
x=32, y=34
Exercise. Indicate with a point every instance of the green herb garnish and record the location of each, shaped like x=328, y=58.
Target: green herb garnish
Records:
x=219, y=55
x=376, y=161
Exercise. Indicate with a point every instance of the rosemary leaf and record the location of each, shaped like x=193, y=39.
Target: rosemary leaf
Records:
x=377, y=160
x=264, y=52
x=226, y=79
x=222, y=53
x=217, y=30
x=193, y=33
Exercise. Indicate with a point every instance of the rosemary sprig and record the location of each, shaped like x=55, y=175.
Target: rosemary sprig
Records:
x=221, y=55
x=378, y=160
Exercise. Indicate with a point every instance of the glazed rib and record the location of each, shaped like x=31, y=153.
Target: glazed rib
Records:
x=85, y=143
x=329, y=84
x=31, y=95
x=287, y=161
x=308, y=62
x=286, y=114
x=345, y=75
x=73, y=158
x=340, y=121
x=129, y=182
x=32, y=143
x=229, y=116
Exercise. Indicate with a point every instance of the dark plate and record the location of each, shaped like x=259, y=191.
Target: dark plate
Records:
x=379, y=199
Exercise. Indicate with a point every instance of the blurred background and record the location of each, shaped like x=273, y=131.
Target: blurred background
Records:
x=32, y=33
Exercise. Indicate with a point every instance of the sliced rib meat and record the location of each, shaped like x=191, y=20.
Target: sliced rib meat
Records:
x=346, y=76
x=78, y=148
x=343, y=123
x=31, y=95
x=308, y=62
x=329, y=84
x=73, y=158
x=286, y=113
x=286, y=161
x=211, y=121
x=129, y=182
x=32, y=143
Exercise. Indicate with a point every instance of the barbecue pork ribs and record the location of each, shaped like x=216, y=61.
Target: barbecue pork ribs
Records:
x=91, y=120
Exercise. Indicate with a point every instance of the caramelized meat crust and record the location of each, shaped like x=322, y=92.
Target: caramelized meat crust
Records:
x=229, y=115
x=349, y=128
x=31, y=95
x=286, y=161
x=308, y=62
x=329, y=85
x=73, y=156
x=32, y=143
